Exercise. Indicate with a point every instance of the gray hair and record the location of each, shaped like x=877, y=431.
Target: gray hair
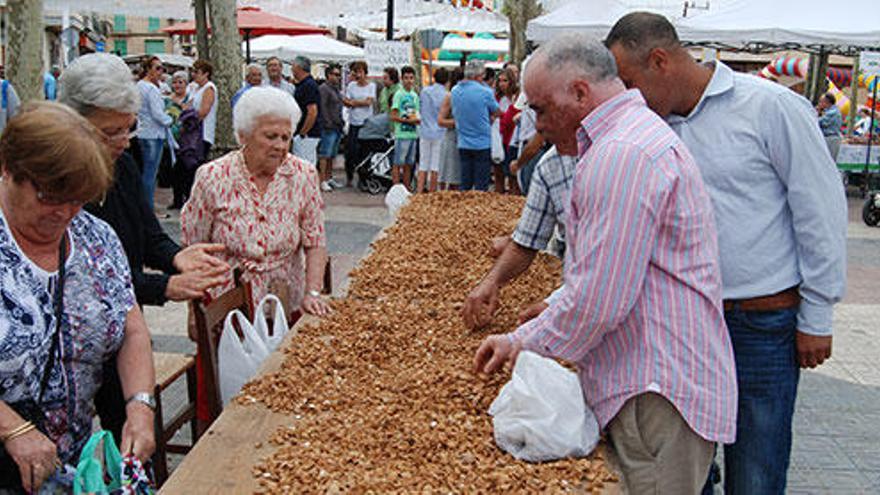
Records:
x=99, y=81
x=181, y=74
x=253, y=66
x=303, y=62
x=583, y=55
x=474, y=69
x=263, y=101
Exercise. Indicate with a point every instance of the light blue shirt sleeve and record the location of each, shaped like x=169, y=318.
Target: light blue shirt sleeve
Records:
x=818, y=207
x=157, y=109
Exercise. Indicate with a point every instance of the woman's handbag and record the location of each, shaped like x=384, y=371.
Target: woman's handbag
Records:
x=124, y=475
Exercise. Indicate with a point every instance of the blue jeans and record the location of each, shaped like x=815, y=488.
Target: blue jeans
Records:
x=767, y=376
x=475, y=169
x=151, y=156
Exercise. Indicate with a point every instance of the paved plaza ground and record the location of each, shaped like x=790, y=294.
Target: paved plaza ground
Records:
x=837, y=423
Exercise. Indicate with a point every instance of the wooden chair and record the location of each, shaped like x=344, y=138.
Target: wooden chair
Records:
x=169, y=368
x=209, y=319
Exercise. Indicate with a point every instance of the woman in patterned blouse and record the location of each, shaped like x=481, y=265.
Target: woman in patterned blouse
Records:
x=50, y=368
x=263, y=204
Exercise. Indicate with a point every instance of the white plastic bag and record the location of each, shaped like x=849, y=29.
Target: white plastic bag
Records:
x=497, y=142
x=271, y=339
x=238, y=359
x=540, y=414
x=397, y=196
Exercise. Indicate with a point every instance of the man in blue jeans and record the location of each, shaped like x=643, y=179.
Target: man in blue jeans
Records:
x=781, y=215
x=474, y=107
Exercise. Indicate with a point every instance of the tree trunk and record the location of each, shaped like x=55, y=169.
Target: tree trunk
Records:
x=24, y=54
x=226, y=58
x=519, y=13
x=201, y=29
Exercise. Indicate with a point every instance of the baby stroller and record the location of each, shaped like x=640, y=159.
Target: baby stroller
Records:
x=376, y=146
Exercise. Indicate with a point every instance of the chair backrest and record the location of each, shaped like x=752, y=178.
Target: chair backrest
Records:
x=209, y=319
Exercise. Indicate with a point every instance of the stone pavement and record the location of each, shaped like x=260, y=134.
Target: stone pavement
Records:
x=837, y=423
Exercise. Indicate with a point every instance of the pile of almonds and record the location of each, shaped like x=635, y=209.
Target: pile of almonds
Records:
x=380, y=394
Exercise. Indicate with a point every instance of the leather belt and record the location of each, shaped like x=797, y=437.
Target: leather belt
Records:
x=789, y=298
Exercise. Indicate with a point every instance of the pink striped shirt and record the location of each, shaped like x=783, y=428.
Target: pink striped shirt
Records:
x=641, y=309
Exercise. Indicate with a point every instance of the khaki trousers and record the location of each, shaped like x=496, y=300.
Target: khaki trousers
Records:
x=656, y=450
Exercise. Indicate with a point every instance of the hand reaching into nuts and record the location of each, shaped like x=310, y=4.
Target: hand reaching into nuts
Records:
x=495, y=352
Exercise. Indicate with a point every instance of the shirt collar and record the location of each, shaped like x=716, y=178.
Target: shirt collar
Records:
x=720, y=83
x=599, y=121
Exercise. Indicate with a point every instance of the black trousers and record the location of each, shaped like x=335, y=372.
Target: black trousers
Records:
x=352, y=151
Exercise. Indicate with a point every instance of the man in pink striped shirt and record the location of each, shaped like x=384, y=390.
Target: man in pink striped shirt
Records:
x=640, y=313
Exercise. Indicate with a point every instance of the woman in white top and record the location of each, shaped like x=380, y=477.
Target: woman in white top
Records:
x=360, y=98
x=203, y=97
x=205, y=101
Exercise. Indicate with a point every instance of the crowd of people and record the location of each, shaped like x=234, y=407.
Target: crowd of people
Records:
x=698, y=212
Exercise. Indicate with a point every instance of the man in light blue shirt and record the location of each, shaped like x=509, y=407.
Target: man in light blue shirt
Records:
x=473, y=108
x=252, y=77
x=781, y=215
x=830, y=122
x=50, y=83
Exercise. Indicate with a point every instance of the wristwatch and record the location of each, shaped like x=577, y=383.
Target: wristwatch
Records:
x=144, y=398
x=314, y=293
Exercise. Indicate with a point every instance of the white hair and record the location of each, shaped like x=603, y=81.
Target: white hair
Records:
x=578, y=52
x=99, y=81
x=181, y=74
x=474, y=69
x=260, y=102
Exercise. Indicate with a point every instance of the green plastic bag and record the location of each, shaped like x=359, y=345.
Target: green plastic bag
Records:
x=90, y=471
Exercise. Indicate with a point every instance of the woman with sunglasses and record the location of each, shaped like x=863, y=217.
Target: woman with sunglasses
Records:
x=68, y=304
x=153, y=123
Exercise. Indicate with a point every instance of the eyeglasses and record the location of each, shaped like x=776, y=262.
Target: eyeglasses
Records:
x=128, y=135
x=160, y=68
x=50, y=200
x=337, y=74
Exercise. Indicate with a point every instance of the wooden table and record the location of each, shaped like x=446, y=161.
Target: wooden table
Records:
x=222, y=460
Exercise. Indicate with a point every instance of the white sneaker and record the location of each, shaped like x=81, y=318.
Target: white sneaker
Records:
x=334, y=184
x=326, y=187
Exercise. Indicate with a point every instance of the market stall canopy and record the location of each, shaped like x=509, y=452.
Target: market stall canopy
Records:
x=413, y=16
x=765, y=26
x=314, y=46
x=594, y=18
x=254, y=22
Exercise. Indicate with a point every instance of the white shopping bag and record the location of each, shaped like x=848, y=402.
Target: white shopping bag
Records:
x=238, y=358
x=540, y=414
x=497, y=142
x=271, y=338
x=397, y=196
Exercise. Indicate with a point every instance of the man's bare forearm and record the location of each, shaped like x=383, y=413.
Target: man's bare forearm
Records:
x=514, y=260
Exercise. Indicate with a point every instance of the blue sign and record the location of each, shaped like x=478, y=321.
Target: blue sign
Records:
x=99, y=46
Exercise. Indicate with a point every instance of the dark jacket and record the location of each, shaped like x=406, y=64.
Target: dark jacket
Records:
x=145, y=243
x=192, y=149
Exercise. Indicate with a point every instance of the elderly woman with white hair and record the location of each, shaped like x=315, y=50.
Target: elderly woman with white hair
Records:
x=264, y=204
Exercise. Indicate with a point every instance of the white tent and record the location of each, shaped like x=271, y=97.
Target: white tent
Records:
x=782, y=22
x=315, y=46
x=594, y=18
